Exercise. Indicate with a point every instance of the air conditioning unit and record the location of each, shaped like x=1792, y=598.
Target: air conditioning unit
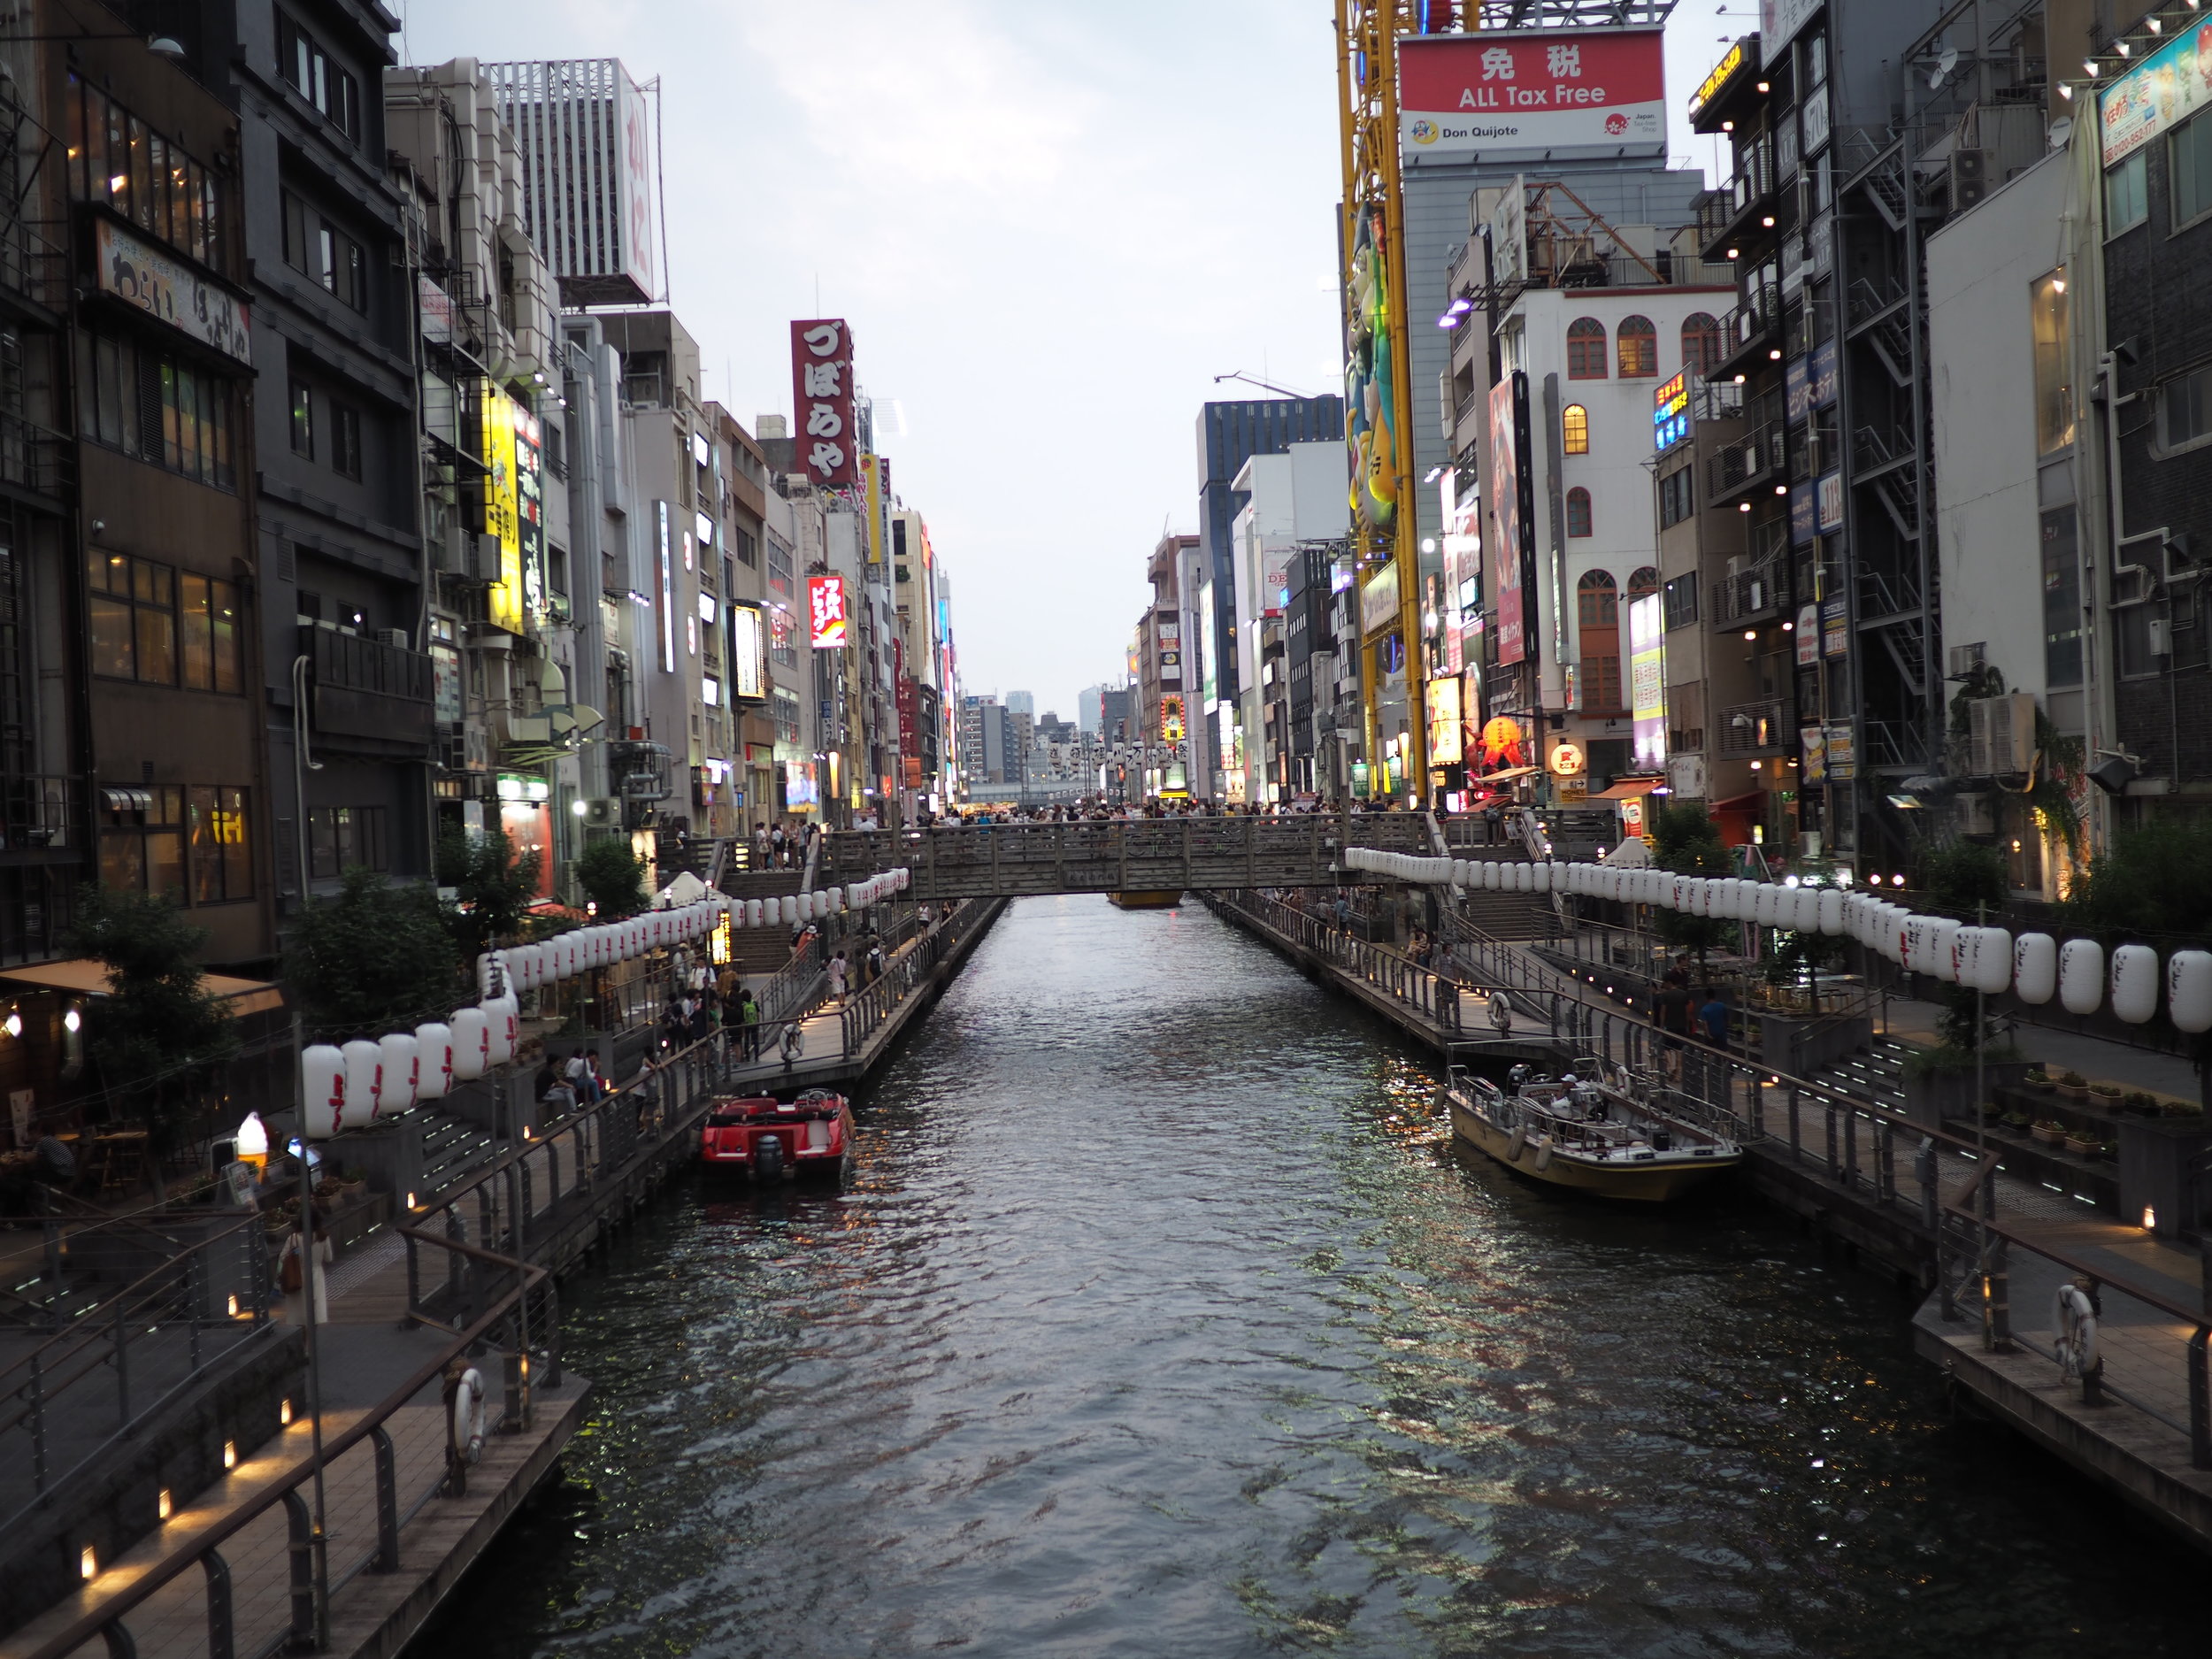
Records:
x=603, y=812
x=393, y=636
x=2001, y=735
x=1970, y=178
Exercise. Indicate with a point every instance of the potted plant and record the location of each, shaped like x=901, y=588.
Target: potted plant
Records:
x=2049, y=1132
x=2038, y=1079
x=353, y=1185
x=2105, y=1096
x=2108, y=1150
x=2073, y=1085
x=2017, y=1120
x=2078, y=1142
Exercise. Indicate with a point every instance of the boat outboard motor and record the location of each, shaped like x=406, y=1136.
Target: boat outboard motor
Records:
x=768, y=1157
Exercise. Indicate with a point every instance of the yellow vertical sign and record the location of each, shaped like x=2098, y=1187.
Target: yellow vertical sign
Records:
x=872, y=471
x=503, y=508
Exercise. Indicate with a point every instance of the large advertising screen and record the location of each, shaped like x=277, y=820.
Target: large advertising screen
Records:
x=1446, y=739
x=1547, y=96
x=2160, y=92
x=1509, y=413
x=1648, y=680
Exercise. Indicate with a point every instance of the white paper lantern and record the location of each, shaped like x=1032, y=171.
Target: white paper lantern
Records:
x=1805, y=904
x=2080, y=976
x=1992, y=963
x=1831, y=922
x=400, y=1058
x=789, y=908
x=500, y=1031
x=752, y=913
x=2135, y=983
x=365, y=1079
x=2189, y=990
x=433, y=1060
x=323, y=1090
x=471, y=1043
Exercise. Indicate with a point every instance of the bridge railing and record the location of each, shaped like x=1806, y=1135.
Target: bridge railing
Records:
x=1136, y=854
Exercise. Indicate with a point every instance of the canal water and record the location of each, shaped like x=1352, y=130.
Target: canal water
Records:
x=1161, y=1320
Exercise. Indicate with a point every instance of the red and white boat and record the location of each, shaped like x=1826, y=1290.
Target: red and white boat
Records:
x=772, y=1139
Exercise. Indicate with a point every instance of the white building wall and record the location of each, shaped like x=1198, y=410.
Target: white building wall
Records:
x=1980, y=345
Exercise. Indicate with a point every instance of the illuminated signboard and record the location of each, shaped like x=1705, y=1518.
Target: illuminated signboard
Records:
x=1671, y=412
x=2160, y=93
x=1497, y=96
x=1713, y=83
x=1446, y=742
x=826, y=613
x=1648, y=681
x=1171, y=719
x=748, y=652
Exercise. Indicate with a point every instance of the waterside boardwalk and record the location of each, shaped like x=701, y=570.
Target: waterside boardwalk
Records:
x=1989, y=1249
x=471, y=1277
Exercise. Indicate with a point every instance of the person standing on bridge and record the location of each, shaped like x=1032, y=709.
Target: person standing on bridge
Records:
x=838, y=978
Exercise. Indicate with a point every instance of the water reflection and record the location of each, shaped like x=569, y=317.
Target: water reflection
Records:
x=1159, y=1320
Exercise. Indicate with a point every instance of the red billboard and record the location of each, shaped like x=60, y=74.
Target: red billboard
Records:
x=825, y=444
x=1547, y=94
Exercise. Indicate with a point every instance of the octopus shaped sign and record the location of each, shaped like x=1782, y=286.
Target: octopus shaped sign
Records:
x=1538, y=96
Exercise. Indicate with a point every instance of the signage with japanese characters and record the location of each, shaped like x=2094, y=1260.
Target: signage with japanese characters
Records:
x=2159, y=93
x=1648, y=681
x=1671, y=412
x=1547, y=96
x=169, y=289
x=1448, y=742
x=505, y=422
x=1831, y=498
x=1731, y=61
x=1807, y=631
x=824, y=445
x=825, y=612
x=1171, y=719
x=748, y=676
x=1511, y=509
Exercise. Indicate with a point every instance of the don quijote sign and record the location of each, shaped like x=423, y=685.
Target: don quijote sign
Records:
x=1550, y=95
x=826, y=446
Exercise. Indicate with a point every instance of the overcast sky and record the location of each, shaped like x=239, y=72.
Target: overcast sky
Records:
x=1050, y=227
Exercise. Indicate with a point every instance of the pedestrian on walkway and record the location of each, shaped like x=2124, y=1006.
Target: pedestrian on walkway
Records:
x=837, y=976
x=748, y=1022
x=1712, y=1014
x=776, y=845
x=1492, y=823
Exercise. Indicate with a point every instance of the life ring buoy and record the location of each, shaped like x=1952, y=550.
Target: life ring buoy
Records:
x=2074, y=1330
x=1543, y=1154
x=1520, y=1139
x=468, y=1415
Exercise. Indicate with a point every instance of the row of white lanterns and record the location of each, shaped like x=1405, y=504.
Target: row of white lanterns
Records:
x=361, y=1082
x=2034, y=967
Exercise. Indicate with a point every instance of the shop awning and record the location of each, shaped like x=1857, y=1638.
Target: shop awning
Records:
x=1508, y=774
x=1629, y=788
x=1742, y=802
x=81, y=976
x=126, y=800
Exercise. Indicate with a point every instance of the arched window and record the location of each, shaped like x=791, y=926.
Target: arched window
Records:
x=1701, y=345
x=1586, y=349
x=1578, y=511
x=1644, y=583
x=1574, y=429
x=1639, y=348
x=1598, y=615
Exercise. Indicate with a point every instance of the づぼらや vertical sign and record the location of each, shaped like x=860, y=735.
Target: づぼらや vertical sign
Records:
x=824, y=445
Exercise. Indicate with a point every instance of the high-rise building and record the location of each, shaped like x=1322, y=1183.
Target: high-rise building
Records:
x=1230, y=435
x=590, y=176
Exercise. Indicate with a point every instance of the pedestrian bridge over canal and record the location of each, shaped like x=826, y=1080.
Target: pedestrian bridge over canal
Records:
x=1138, y=854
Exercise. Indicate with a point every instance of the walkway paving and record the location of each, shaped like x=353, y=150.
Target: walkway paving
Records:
x=2097, y=1058
x=363, y=1357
